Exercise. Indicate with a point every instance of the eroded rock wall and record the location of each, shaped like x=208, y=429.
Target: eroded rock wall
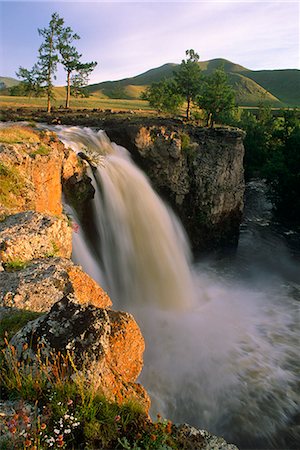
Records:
x=199, y=171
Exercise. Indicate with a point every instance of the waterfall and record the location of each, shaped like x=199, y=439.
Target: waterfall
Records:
x=222, y=352
x=144, y=251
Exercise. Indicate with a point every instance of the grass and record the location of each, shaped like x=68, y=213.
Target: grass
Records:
x=66, y=410
x=12, y=266
x=13, y=322
x=18, y=135
x=11, y=185
x=83, y=103
x=42, y=150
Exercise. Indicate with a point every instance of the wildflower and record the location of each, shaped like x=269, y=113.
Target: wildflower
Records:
x=70, y=402
x=13, y=430
x=43, y=426
x=27, y=443
x=153, y=437
x=117, y=418
x=60, y=437
x=67, y=431
x=169, y=427
x=60, y=443
x=56, y=431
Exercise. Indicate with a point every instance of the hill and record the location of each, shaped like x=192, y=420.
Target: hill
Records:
x=276, y=87
x=7, y=82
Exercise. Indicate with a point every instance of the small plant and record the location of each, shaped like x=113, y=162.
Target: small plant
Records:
x=60, y=407
x=13, y=323
x=42, y=150
x=12, y=266
x=11, y=185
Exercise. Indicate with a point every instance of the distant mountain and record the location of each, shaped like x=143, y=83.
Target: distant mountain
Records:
x=7, y=82
x=275, y=87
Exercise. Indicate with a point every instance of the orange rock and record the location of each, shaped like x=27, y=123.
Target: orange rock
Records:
x=86, y=289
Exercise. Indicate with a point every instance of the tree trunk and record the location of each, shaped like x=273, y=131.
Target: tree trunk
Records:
x=68, y=90
x=48, y=103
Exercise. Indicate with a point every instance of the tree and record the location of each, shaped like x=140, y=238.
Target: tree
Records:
x=188, y=78
x=30, y=83
x=70, y=59
x=163, y=96
x=81, y=78
x=48, y=54
x=216, y=97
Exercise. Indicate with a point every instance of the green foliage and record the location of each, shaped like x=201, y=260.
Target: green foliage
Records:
x=12, y=266
x=70, y=59
x=163, y=96
x=42, y=150
x=272, y=151
x=13, y=322
x=11, y=185
x=30, y=84
x=70, y=408
x=216, y=98
x=48, y=54
x=188, y=79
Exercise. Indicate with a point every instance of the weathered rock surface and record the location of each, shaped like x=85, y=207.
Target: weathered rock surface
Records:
x=190, y=438
x=38, y=171
x=198, y=171
x=108, y=345
x=31, y=235
x=43, y=282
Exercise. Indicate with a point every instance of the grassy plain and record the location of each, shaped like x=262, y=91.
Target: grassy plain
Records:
x=93, y=102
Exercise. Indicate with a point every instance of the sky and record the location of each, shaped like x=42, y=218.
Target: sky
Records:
x=129, y=38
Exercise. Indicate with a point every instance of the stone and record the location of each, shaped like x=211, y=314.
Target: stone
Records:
x=30, y=235
x=190, y=438
x=91, y=335
x=43, y=282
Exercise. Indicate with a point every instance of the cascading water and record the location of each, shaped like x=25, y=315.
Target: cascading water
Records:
x=221, y=348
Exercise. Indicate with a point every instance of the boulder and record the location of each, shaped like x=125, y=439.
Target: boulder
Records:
x=106, y=345
x=43, y=282
x=31, y=235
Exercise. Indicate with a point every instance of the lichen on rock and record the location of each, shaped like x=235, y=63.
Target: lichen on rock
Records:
x=31, y=235
x=43, y=282
x=96, y=338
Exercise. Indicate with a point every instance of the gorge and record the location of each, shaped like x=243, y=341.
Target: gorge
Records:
x=221, y=337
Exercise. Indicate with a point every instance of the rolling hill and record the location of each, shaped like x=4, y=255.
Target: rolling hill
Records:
x=275, y=87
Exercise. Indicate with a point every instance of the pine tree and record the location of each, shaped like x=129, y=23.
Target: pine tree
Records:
x=49, y=56
x=70, y=59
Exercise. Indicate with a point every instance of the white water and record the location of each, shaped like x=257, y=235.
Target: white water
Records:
x=221, y=354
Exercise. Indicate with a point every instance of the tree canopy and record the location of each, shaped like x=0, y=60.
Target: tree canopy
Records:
x=188, y=79
x=57, y=47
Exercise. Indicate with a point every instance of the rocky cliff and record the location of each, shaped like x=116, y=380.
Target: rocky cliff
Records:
x=199, y=171
x=37, y=274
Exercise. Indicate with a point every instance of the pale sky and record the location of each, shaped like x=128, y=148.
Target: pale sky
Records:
x=128, y=38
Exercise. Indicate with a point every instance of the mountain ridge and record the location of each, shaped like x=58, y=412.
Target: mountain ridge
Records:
x=278, y=87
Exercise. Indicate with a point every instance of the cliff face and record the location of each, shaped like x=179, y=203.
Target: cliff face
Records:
x=198, y=171
x=36, y=272
x=34, y=166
